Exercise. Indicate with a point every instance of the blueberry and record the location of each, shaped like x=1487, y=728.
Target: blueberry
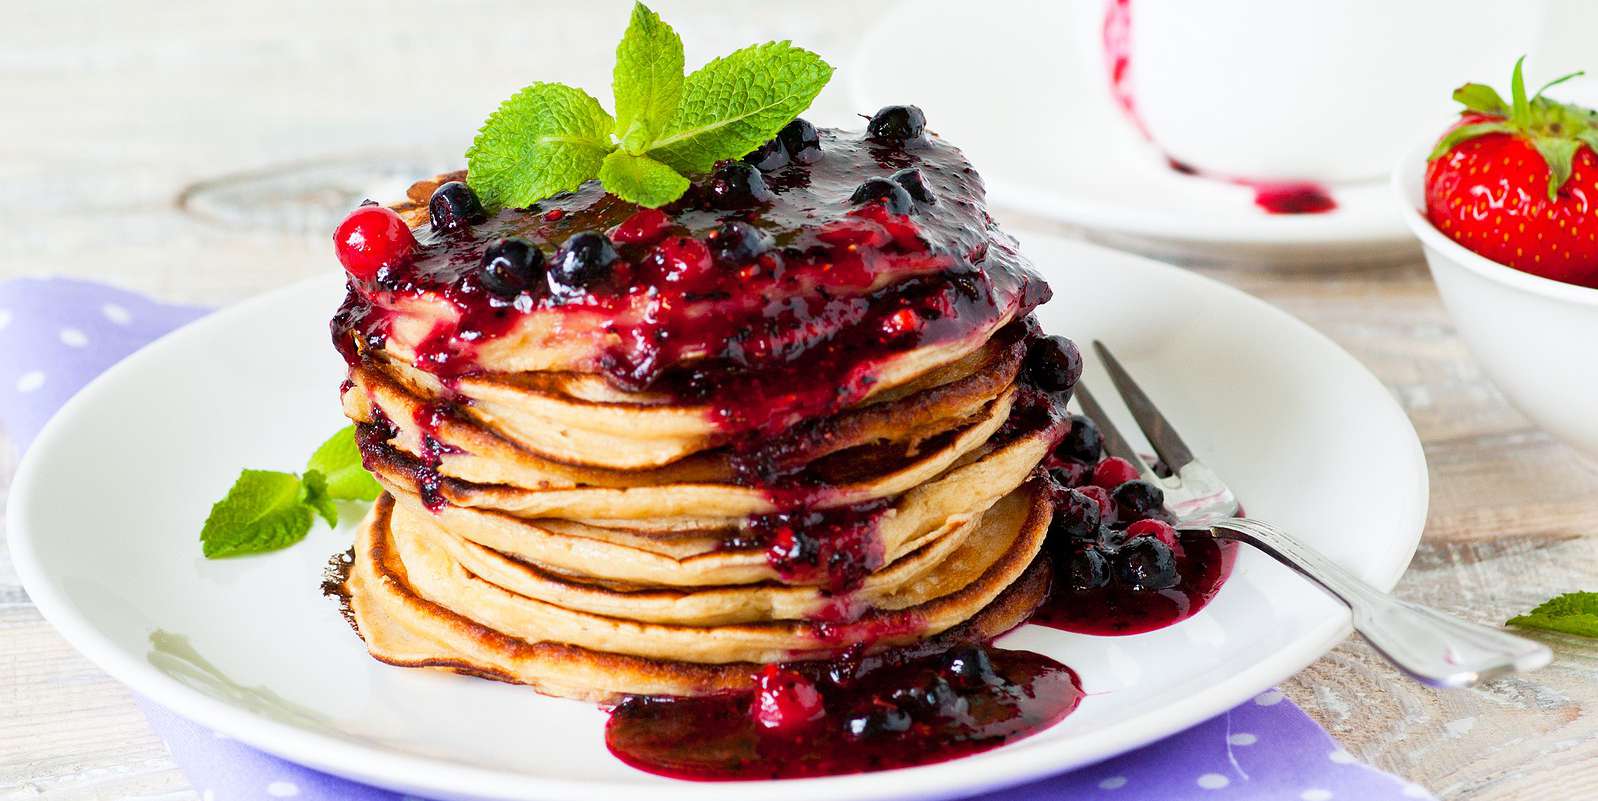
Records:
x=1076, y=519
x=454, y=206
x=1071, y=473
x=969, y=666
x=1082, y=441
x=770, y=156
x=1087, y=569
x=801, y=140
x=1136, y=500
x=913, y=182
x=892, y=194
x=583, y=262
x=1144, y=564
x=736, y=242
x=876, y=721
x=736, y=185
x=932, y=697
x=1054, y=364
x=897, y=124
x=511, y=265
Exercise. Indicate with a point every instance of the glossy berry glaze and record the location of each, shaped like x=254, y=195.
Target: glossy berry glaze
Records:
x=848, y=718
x=768, y=307
x=1274, y=197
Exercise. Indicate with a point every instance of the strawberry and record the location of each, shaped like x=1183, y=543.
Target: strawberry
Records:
x=1518, y=182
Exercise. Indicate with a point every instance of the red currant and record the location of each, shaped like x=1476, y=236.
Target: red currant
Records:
x=785, y=700
x=1149, y=527
x=645, y=227
x=686, y=263
x=1113, y=472
x=371, y=238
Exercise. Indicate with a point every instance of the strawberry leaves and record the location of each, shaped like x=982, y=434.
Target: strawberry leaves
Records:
x=1556, y=130
x=550, y=138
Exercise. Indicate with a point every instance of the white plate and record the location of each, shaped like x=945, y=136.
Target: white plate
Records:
x=106, y=509
x=1006, y=82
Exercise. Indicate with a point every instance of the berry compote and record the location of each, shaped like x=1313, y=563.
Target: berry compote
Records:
x=884, y=712
x=1121, y=568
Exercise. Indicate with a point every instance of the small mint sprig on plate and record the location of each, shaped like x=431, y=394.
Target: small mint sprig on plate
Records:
x=266, y=510
x=550, y=138
x=1571, y=613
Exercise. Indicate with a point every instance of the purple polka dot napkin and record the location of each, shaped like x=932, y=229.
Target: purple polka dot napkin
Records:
x=56, y=335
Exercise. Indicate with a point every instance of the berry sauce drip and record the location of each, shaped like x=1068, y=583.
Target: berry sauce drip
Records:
x=1121, y=566
x=1293, y=198
x=900, y=713
x=769, y=297
x=840, y=547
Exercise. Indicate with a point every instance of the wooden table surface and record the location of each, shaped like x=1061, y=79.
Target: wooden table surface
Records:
x=111, y=112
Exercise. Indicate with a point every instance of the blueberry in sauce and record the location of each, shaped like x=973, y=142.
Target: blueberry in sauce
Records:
x=1087, y=570
x=969, y=666
x=801, y=141
x=736, y=242
x=1071, y=473
x=770, y=156
x=895, y=197
x=736, y=185
x=1054, y=364
x=931, y=697
x=586, y=260
x=915, y=183
x=897, y=124
x=511, y=266
x=1145, y=564
x=1082, y=441
x=454, y=206
x=876, y=719
x=1076, y=519
x=1135, y=500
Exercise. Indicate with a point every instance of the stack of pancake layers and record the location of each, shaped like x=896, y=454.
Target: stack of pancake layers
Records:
x=544, y=526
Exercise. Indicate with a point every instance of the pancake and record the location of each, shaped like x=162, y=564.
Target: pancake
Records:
x=538, y=414
x=711, y=437
x=580, y=548
x=478, y=453
x=401, y=627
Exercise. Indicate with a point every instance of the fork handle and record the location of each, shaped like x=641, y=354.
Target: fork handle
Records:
x=1435, y=648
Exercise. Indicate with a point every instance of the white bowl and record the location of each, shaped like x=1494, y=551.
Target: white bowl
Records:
x=1533, y=336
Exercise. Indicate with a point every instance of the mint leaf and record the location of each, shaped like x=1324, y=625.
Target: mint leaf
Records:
x=1483, y=98
x=264, y=511
x=317, y=498
x=339, y=460
x=546, y=139
x=1571, y=613
x=647, y=80
x=738, y=102
x=641, y=179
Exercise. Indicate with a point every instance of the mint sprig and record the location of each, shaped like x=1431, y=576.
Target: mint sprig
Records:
x=550, y=138
x=266, y=510
x=1571, y=613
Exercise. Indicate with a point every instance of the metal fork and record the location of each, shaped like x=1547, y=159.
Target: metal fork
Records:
x=1433, y=647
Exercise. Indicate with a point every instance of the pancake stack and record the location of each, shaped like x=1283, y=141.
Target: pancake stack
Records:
x=624, y=492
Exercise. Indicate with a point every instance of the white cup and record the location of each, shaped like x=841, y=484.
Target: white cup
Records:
x=1309, y=90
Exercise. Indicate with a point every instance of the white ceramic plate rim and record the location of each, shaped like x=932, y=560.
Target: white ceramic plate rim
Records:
x=1408, y=184
x=1012, y=765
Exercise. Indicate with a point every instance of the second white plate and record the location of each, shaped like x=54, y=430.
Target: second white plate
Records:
x=1015, y=85
x=106, y=508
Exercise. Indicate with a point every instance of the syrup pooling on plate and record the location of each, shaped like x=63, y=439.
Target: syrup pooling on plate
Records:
x=767, y=296
x=896, y=712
